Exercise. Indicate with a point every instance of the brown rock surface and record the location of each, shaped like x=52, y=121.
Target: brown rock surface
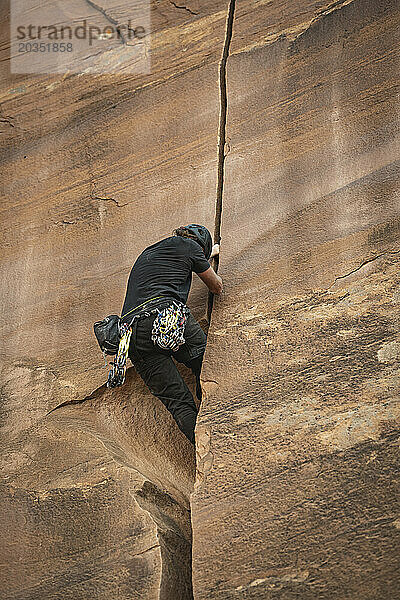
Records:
x=94, y=168
x=89, y=165
x=297, y=439
x=95, y=496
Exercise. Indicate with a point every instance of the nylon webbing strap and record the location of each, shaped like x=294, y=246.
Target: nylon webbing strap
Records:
x=140, y=305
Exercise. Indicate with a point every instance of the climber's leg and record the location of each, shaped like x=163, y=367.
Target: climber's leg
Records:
x=163, y=379
x=195, y=366
x=160, y=374
x=191, y=353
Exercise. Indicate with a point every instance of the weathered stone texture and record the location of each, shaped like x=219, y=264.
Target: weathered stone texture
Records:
x=297, y=439
x=296, y=491
x=89, y=165
x=95, y=496
x=94, y=168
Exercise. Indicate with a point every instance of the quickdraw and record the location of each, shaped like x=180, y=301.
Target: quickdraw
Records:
x=169, y=327
x=117, y=373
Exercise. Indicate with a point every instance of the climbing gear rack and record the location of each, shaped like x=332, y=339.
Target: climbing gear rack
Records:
x=169, y=327
x=116, y=376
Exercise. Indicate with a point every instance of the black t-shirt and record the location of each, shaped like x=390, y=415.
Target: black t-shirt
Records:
x=164, y=269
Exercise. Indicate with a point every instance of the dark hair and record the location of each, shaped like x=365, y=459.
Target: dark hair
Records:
x=183, y=232
x=199, y=234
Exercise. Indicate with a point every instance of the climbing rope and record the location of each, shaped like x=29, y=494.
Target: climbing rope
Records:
x=169, y=327
x=117, y=373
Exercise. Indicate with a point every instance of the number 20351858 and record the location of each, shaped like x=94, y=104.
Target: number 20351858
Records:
x=45, y=47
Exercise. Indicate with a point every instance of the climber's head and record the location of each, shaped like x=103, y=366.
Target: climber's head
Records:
x=200, y=234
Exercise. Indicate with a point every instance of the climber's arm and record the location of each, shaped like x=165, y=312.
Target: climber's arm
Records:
x=212, y=280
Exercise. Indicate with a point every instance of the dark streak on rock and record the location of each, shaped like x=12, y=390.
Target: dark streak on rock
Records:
x=6, y=119
x=109, y=19
x=105, y=199
x=65, y=222
x=110, y=199
x=68, y=403
x=221, y=140
x=92, y=396
x=366, y=262
x=192, y=12
x=147, y=550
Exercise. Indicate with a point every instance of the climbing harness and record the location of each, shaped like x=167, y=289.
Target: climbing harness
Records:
x=169, y=327
x=141, y=305
x=117, y=373
x=114, y=335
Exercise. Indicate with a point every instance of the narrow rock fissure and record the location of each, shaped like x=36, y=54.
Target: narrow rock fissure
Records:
x=75, y=401
x=363, y=264
x=222, y=150
x=169, y=573
x=221, y=146
x=182, y=7
x=221, y=140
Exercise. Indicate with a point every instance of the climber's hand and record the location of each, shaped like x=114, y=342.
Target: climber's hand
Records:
x=214, y=251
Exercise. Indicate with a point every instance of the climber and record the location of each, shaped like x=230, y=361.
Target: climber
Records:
x=162, y=325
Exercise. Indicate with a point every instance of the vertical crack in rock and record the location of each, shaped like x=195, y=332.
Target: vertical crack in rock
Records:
x=221, y=139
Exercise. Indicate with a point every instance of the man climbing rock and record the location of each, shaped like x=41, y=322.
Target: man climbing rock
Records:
x=162, y=326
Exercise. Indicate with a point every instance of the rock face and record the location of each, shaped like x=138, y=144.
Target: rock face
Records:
x=91, y=507
x=94, y=169
x=297, y=450
x=296, y=439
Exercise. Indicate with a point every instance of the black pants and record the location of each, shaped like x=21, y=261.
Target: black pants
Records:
x=159, y=372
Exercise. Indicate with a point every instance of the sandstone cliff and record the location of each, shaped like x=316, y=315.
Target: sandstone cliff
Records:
x=297, y=438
